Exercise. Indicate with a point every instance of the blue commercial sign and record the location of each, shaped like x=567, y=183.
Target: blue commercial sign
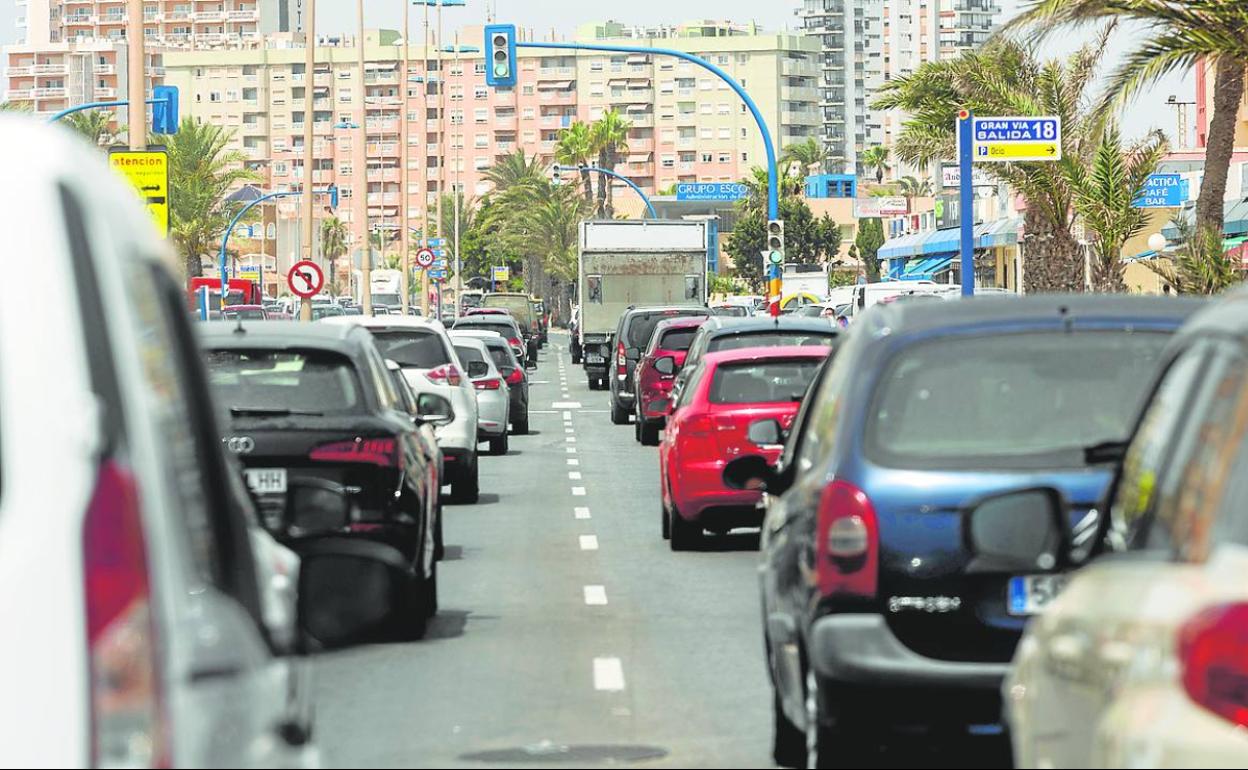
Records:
x=437, y=241
x=711, y=191
x=437, y=275
x=1163, y=191
x=1017, y=129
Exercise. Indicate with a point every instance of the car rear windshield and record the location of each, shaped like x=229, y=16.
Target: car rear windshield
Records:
x=642, y=324
x=1015, y=400
x=517, y=304
x=501, y=356
x=760, y=382
x=412, y=349
x=245, y=315
x=284, y=382
x=732, y=311
x=771, y=338
x=505, y=329
x=677, y=339
x=468, y=354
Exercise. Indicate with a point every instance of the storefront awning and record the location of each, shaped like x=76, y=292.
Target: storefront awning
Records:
x=902, y=246
x=944, y=241
x=926, y=269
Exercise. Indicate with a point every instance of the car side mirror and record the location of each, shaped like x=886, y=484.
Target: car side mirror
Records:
x=665, y=366
x=765, y=433
x=348, y=589
x=749, y=472
x=1018, y=531
x=434, y=409
x=477, y=369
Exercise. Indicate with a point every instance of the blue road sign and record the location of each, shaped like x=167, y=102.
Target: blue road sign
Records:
x=1163, y=191
x=1014, y=139
x=711, y=191
x=437, y=275
x=439, y=264
x=437, y=241
x=439, y=252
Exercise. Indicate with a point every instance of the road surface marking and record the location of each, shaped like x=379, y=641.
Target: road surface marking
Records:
x=569, y=430
x=574, y=475
x=543, y=411
x=531, y=382
x=570, y=439
x=571, y=450
x=580, y=512
x=578, y=491
x=567, y=415
x=608, y=674
x=573, y=461
x=589, y=542
x=595, y=594
x=566, y=405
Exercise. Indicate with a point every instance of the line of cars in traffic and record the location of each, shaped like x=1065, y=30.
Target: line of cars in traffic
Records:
x=1022, y=514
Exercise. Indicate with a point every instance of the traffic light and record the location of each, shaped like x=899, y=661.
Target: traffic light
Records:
x=557, y=178
x=164, y=109
x=775, y=241
x=500, y=47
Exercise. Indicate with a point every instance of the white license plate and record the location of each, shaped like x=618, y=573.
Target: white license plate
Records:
x=266, y=481
x=594, y=359
x=1030, y=594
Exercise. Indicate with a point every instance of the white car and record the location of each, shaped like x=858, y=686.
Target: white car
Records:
x=135, y=611
x=423, y=349
x=493, y=394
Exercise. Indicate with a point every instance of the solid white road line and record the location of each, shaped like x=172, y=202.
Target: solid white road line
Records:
x=589, y=542
x=608, y=674
x=574, y=475
x=578, y=491
x=581, y=512
x=595, y=594
x=573, y=461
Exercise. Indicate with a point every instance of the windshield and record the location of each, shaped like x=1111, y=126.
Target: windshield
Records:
x=322, y=311
x=760, y=382
x=388, y=300
x=505, y=329
x=468, y=354
x=771, y=337
x=677, y=339
x=246, y=315
x=502, y=357
x=732, y=311
x=256, y=382
x=412, y=349
x=1036, y=399
x=641, y=326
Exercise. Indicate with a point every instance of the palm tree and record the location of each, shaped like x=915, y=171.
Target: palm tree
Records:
x=1173, y=35
x=576, y=148
x=810, y=154
x=610, y=140
x=875, y=159
x=202, y=171
x=15, y=107
x=1104, y=197
x=96, y=126
x=1202, y=265
x=912, y=187
x=334, y=234
x=756, y=185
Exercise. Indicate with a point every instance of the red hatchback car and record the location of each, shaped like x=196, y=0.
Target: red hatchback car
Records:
x=710, y=425
x=656, y=372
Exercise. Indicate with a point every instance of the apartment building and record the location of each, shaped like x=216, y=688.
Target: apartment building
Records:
x=685, y=125
x=74, y=51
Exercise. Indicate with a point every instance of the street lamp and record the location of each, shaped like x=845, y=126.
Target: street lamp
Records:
x=1180, y=107
x=457, y=49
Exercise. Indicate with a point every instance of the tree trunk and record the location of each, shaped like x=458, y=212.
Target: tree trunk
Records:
x=603, y=185
x=610, y=208
x=1228, y=91
x=1053, y=260
x=589, y=188
x=1107, y=272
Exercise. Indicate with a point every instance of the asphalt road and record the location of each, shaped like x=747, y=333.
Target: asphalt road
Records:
x=569, y=634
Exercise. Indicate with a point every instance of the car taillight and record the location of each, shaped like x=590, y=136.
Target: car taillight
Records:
x=515, y=342
x=128, y=724
x=847, y=542
x=491, y=384
x=446, y=374
x=377, y=451
x=1213, y=651
x=621, y=359
x=516, y=377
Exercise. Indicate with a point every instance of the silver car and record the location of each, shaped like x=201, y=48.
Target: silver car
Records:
x=493, y=393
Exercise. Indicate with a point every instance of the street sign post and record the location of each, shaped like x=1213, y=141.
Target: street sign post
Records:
x=1016, y=139
x=499, y=273
x=148, y=171
x=424, y=258
x=305, y=279
x=1163, y=191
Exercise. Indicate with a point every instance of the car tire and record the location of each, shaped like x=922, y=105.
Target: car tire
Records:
x=467, y=489
x=788, y=743
x=521, y=427
x=667, y=522
x=648, y=433
x=831, y=745
x=685, y=535
x=619, y=415
x=439, y=550
x=498, y=446
x=575, y=352
x=636, y=429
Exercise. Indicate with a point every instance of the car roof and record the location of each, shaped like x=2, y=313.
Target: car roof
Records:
x=679, y=322
x=281, y=335
x=722, y=326
x=1031, y=310
x=472, y=342
x=486, y=320
x=765, y=353
x=1222, y=316
x=386, y=322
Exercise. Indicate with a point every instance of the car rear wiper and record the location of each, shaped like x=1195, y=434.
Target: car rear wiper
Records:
x=255, y=411
x=1105, y=452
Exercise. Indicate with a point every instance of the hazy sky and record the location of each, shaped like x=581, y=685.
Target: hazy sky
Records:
x=564, y=15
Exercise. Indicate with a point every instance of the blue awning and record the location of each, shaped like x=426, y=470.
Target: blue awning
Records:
x=902, y=246
x=944, y=241
x=1003, y=232
x=925, y=269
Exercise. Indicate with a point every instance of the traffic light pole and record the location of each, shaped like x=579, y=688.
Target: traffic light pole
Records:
x=645, y=199
x=225, y=239
x=773, y=175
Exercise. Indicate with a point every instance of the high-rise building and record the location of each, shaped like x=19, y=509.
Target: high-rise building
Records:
x=73, y=51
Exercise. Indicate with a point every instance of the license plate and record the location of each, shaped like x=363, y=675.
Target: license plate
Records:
x=1030, y=594
x=591, y=359
x=266, y=481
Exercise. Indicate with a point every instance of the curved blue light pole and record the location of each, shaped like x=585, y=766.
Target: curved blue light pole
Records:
x=225, y=239
x=96, y=106
x=645, y=199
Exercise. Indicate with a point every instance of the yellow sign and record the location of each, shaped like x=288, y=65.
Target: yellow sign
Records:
x=148, y=171
x=1019, y=151
x=501, y=272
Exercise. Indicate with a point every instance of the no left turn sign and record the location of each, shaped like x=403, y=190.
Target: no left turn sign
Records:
x=305, y=279
x=424, y=258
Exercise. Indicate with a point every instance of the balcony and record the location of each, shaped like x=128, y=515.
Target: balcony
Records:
x=635, y=96
x=505, y=124
x=79, y=19
x=431, y=173
x=385, y=175
x=555, y=73
x=383, y=199
x=210, y=16
x=506, y=147
x=42, y=93
x=640, y=119
x=799, y=93
x=210, y=38
x=686, y=165
x=118, y=17
x=687, y=143
x=806, y=117
x=548, y=146
x=382, y=148
x=177, y=16
x=798, y=69
x=21, y=94
x=100, y=69
x=105, y=93
x=245, y=15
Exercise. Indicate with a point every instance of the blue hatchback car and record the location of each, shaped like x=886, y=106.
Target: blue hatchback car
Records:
x=877, y=616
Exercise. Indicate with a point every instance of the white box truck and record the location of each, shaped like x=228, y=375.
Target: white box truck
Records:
x=633, y=263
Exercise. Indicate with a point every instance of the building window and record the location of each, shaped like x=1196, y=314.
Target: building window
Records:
x=457, y=117
x=725, y=157
x=705, y=85
x=597, y=91
x=708, y=133
x=725, y=133
x=457, y=93
x=725, y=109
x=279, y=167
x=744, y=109
x=669, y=161
x=481, y=115
x=707, y=157
x=344, y=95
x=529, y=113
x=481, y=141
x=214, y=96
x=745, y=157
x=707, y=109
x=595, y=65
x=479, y=68
x=526, y=90
x=745, y=132
x=345, y=168
x=480, y=92
x=722, y=59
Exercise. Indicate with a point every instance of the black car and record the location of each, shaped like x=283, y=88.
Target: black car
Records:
x=728, y=333
x=506, y=326
x=313, y=404
x=632, y=335
x=878, y=617
x=517, y=380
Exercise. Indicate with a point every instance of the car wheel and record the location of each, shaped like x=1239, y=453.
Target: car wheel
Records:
x=667, y=521
x=521, y=427
x=619, y=415
x=636, y=429
x=439, y=550
x=831, y=745
x=788, y=744
x=576, y=354
x=649, y=434
x=685, y=535
x=498, y=446
x=467, y=489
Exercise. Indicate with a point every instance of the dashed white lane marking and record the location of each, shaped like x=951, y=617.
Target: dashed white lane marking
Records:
x=571, y=450
x=566, y=405
x=574, y=475
x=608, y=674
x=570, y=439
x=595, y=595
x=569, y=430
x=567, y=415
x=589, y=542
x=580, y=512
x=573, y=461
x=543, y=411
x=578, y=491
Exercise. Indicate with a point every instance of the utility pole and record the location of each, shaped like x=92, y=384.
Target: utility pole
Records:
x=404, y=179
x=309, y=69
x=459, y=141
x=136, y=75
x=366, y=262
x=441, y=142
x=424, y=182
